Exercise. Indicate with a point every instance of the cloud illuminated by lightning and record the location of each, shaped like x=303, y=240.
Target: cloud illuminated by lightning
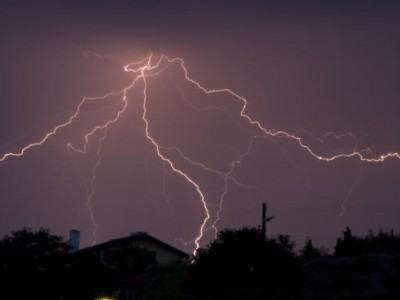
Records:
x=143, y=70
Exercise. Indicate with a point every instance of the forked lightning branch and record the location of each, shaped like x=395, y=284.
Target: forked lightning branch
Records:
x=143, y=71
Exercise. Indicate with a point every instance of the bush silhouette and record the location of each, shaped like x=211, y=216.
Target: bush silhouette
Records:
x=243, y=258
x=381, y=243
x=309, y=252
x=33, y=260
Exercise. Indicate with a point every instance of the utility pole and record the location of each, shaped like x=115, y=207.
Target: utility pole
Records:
x=264, y=220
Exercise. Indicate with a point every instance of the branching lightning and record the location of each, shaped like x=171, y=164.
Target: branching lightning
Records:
x=227, y=176
x=145, y=69
x=90, y=196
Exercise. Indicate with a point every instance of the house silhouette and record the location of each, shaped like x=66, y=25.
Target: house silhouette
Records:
x=123, y=264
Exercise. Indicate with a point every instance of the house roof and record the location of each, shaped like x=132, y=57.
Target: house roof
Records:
x=137, y=236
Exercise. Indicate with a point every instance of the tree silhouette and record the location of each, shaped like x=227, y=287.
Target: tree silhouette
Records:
x=240, y=258
x=32, y=260
x=381, y=243
x=347, y=245
x=309, y=252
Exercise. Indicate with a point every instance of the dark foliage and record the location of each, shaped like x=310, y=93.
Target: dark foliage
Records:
x=240, y=264
x=243, y=258
x=31, y=265
x=381, y=243
x=309, y=252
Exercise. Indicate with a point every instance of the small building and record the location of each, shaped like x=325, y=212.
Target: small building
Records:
x=131, y=248
x=126, y=263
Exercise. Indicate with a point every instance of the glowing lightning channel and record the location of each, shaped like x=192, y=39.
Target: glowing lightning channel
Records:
x=103, y=127
x=172, y=166
x=83, y=150
x=76, y=113
x=271, y=133
x=145, y=69
x=227, y=176
x=267, y=132
x=277, y=133
x=49, y=134
x=351, y=190
x=91, y=186
x=89, y=202
x=206, y=168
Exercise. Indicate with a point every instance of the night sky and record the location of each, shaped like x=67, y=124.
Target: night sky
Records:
x=310, y=69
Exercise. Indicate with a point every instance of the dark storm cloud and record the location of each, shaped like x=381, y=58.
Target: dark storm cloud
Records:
x=313, y=65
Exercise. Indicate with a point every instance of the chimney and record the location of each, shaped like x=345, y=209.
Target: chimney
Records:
x=74, y=237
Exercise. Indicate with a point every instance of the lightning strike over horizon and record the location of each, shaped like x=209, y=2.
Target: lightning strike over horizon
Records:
x=227, y=176
x=90, y=196
x=145, y=69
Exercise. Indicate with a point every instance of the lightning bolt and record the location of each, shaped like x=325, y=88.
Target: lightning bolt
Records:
x=172, y=166
x=145, y=69
x=91, y=188
x=228, y=176
x=351, y=190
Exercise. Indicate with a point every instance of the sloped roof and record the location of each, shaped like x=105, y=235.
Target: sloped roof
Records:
x=137, y=236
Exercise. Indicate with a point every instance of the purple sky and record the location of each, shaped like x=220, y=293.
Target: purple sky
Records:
x=303, y=68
